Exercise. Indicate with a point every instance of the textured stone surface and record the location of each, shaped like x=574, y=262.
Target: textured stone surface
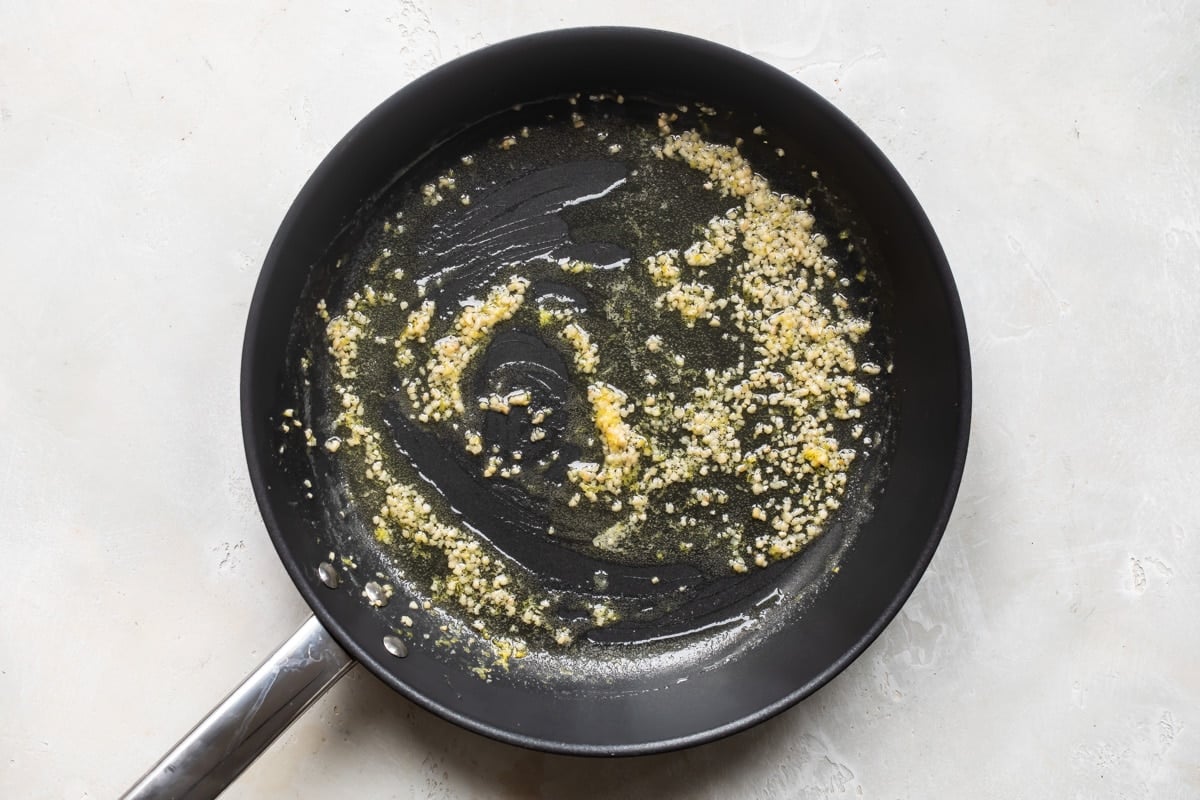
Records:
x=147, y=153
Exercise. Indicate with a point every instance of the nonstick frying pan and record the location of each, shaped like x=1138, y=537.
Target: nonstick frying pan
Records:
x=681, y=694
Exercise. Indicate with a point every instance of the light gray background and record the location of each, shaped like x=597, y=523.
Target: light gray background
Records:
x=149, y=150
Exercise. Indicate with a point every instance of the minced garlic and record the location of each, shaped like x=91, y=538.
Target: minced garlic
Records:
x=668, y=451
x=438, y=395
x=586, y=353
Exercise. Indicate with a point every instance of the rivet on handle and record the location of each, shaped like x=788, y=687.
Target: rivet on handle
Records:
x=328, y=574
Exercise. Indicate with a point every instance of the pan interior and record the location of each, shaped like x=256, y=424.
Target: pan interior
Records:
x=570, y=195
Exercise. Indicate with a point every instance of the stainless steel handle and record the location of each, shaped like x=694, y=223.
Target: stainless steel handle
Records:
x=237, y=731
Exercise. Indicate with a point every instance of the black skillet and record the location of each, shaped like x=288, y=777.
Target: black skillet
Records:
x=673, y=703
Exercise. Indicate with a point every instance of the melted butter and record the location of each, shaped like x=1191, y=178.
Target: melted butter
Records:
x=467, y=495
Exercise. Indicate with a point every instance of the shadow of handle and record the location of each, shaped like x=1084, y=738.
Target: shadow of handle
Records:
x=243, y=725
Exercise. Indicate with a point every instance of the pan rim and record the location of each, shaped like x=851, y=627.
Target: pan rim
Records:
x=865, y=148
